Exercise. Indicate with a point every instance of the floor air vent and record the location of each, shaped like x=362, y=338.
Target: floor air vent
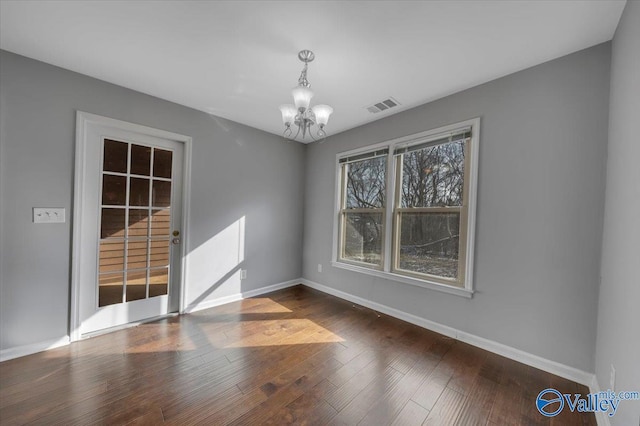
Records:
x=383, y=105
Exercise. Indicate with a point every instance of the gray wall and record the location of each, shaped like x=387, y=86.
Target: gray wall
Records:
x=237, y=171
x=540, y=208
x=619, y=308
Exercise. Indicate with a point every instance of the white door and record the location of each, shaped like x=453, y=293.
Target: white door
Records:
x=129, y=247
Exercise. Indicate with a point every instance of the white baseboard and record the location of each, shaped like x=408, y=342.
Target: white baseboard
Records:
x=18, y=351
x=601, y=417
x=424, y=323
x=206, y=304
x=547, y=365
x=553, y=367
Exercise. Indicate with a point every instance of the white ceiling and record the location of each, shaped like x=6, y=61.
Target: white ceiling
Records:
x=238, y=60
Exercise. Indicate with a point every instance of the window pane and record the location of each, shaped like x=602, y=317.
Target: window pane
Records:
x=110, y=289
x=140, y=160
x=114, y=190
x=161, y=193
x=160, y=223
x=136, y=285
x=366, y=183
x=111, y=256
x=433, y=176
x=162, y=163
x=112, y=223
x=139, y=195
x=429, y=243
x=137, y=254
x=362, y=239
x=158, y=282
x=159, y=253
x=115, y=156
x=138, y=222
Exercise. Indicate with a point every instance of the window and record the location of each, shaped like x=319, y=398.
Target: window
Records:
x=362, y=208
x=406, y=208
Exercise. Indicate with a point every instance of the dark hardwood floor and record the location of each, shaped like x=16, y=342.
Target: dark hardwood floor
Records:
x=295, y=356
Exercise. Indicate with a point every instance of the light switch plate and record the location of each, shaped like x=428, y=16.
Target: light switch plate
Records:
x=48, y=215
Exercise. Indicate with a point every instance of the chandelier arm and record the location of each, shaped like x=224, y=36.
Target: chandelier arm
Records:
x=287, y=132
x=321, y=133
x=297, y=133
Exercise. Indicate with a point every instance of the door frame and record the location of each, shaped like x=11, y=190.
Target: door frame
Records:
x=80, y=223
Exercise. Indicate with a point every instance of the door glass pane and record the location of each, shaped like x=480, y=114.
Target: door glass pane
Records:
x=114, y=190
x=140, y=160
x=162, y=163
x=161, y=193
x=158, y=282
x=110, y=289
x=137, y=254
x=362, y=240
x=136, y=285
x=159, y=255
x=111, y=256
x=112, y=223
x=138, y=223
x=139, y=192
x=429, y=243
x=115, y=156
x=160, y=223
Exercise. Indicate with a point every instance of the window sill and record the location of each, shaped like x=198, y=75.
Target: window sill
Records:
x=406, y=280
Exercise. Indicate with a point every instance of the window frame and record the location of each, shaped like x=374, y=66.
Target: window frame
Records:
x=391, y=234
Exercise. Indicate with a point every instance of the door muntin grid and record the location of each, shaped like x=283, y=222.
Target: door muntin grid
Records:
x=135, y=222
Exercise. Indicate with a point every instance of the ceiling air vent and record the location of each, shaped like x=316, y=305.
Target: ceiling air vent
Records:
x=382, y=105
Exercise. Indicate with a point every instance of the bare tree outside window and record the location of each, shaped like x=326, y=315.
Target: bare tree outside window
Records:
x=432, y=183
x=363, y=210
x=434, y=176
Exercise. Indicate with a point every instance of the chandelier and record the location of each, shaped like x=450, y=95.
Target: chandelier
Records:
x=300, y=114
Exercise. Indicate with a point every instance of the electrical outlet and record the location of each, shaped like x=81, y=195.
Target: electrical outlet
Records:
x=319, y=267
x=612, y=378
x=48, y=215
x=243, y=274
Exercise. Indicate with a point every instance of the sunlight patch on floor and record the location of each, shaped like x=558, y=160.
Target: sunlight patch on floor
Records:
x=292, y=331
x=261, y=305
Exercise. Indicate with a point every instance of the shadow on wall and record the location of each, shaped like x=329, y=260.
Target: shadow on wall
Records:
x=215, y=265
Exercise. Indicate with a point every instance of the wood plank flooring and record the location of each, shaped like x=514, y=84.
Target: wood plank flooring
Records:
x=295, y=356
